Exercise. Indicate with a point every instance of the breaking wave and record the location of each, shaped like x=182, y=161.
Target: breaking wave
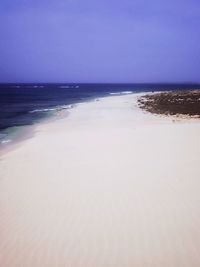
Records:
x=51, y=109
x=121, y=93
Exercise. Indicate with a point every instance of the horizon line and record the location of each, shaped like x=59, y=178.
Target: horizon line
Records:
x=106, y=83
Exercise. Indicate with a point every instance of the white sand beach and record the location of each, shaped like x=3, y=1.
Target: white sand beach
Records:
x=106, y=186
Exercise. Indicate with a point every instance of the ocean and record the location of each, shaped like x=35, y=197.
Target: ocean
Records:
x=26, y=104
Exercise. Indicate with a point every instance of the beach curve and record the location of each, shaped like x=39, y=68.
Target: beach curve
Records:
x=109, y=186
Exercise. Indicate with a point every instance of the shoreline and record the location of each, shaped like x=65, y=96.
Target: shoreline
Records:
x=141, y=100
x=110, y=185
x=28, y=131
x=144, y=102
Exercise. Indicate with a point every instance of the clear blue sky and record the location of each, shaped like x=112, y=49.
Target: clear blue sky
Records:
x=100, y=41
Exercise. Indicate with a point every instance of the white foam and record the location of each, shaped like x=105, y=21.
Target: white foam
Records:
x=5, y=141
x=126, y=92
x=51, y=109
x=122, y=93
x=66, y=107
x=114, y=93
x=42, y=110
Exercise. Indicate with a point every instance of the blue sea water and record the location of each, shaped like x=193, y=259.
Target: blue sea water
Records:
x=26, y=104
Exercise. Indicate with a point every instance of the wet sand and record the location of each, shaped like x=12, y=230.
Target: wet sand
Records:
x=108, y=186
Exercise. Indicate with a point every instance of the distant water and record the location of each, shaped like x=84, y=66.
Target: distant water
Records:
x=26, y=104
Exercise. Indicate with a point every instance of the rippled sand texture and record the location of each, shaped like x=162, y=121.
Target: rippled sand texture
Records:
x=108, y=186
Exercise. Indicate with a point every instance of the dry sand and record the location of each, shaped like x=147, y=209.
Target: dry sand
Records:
x=107, y=186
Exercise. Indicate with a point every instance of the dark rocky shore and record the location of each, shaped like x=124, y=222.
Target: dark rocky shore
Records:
x=172, y=103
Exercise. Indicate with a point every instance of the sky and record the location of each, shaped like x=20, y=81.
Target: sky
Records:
x=109, y=41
